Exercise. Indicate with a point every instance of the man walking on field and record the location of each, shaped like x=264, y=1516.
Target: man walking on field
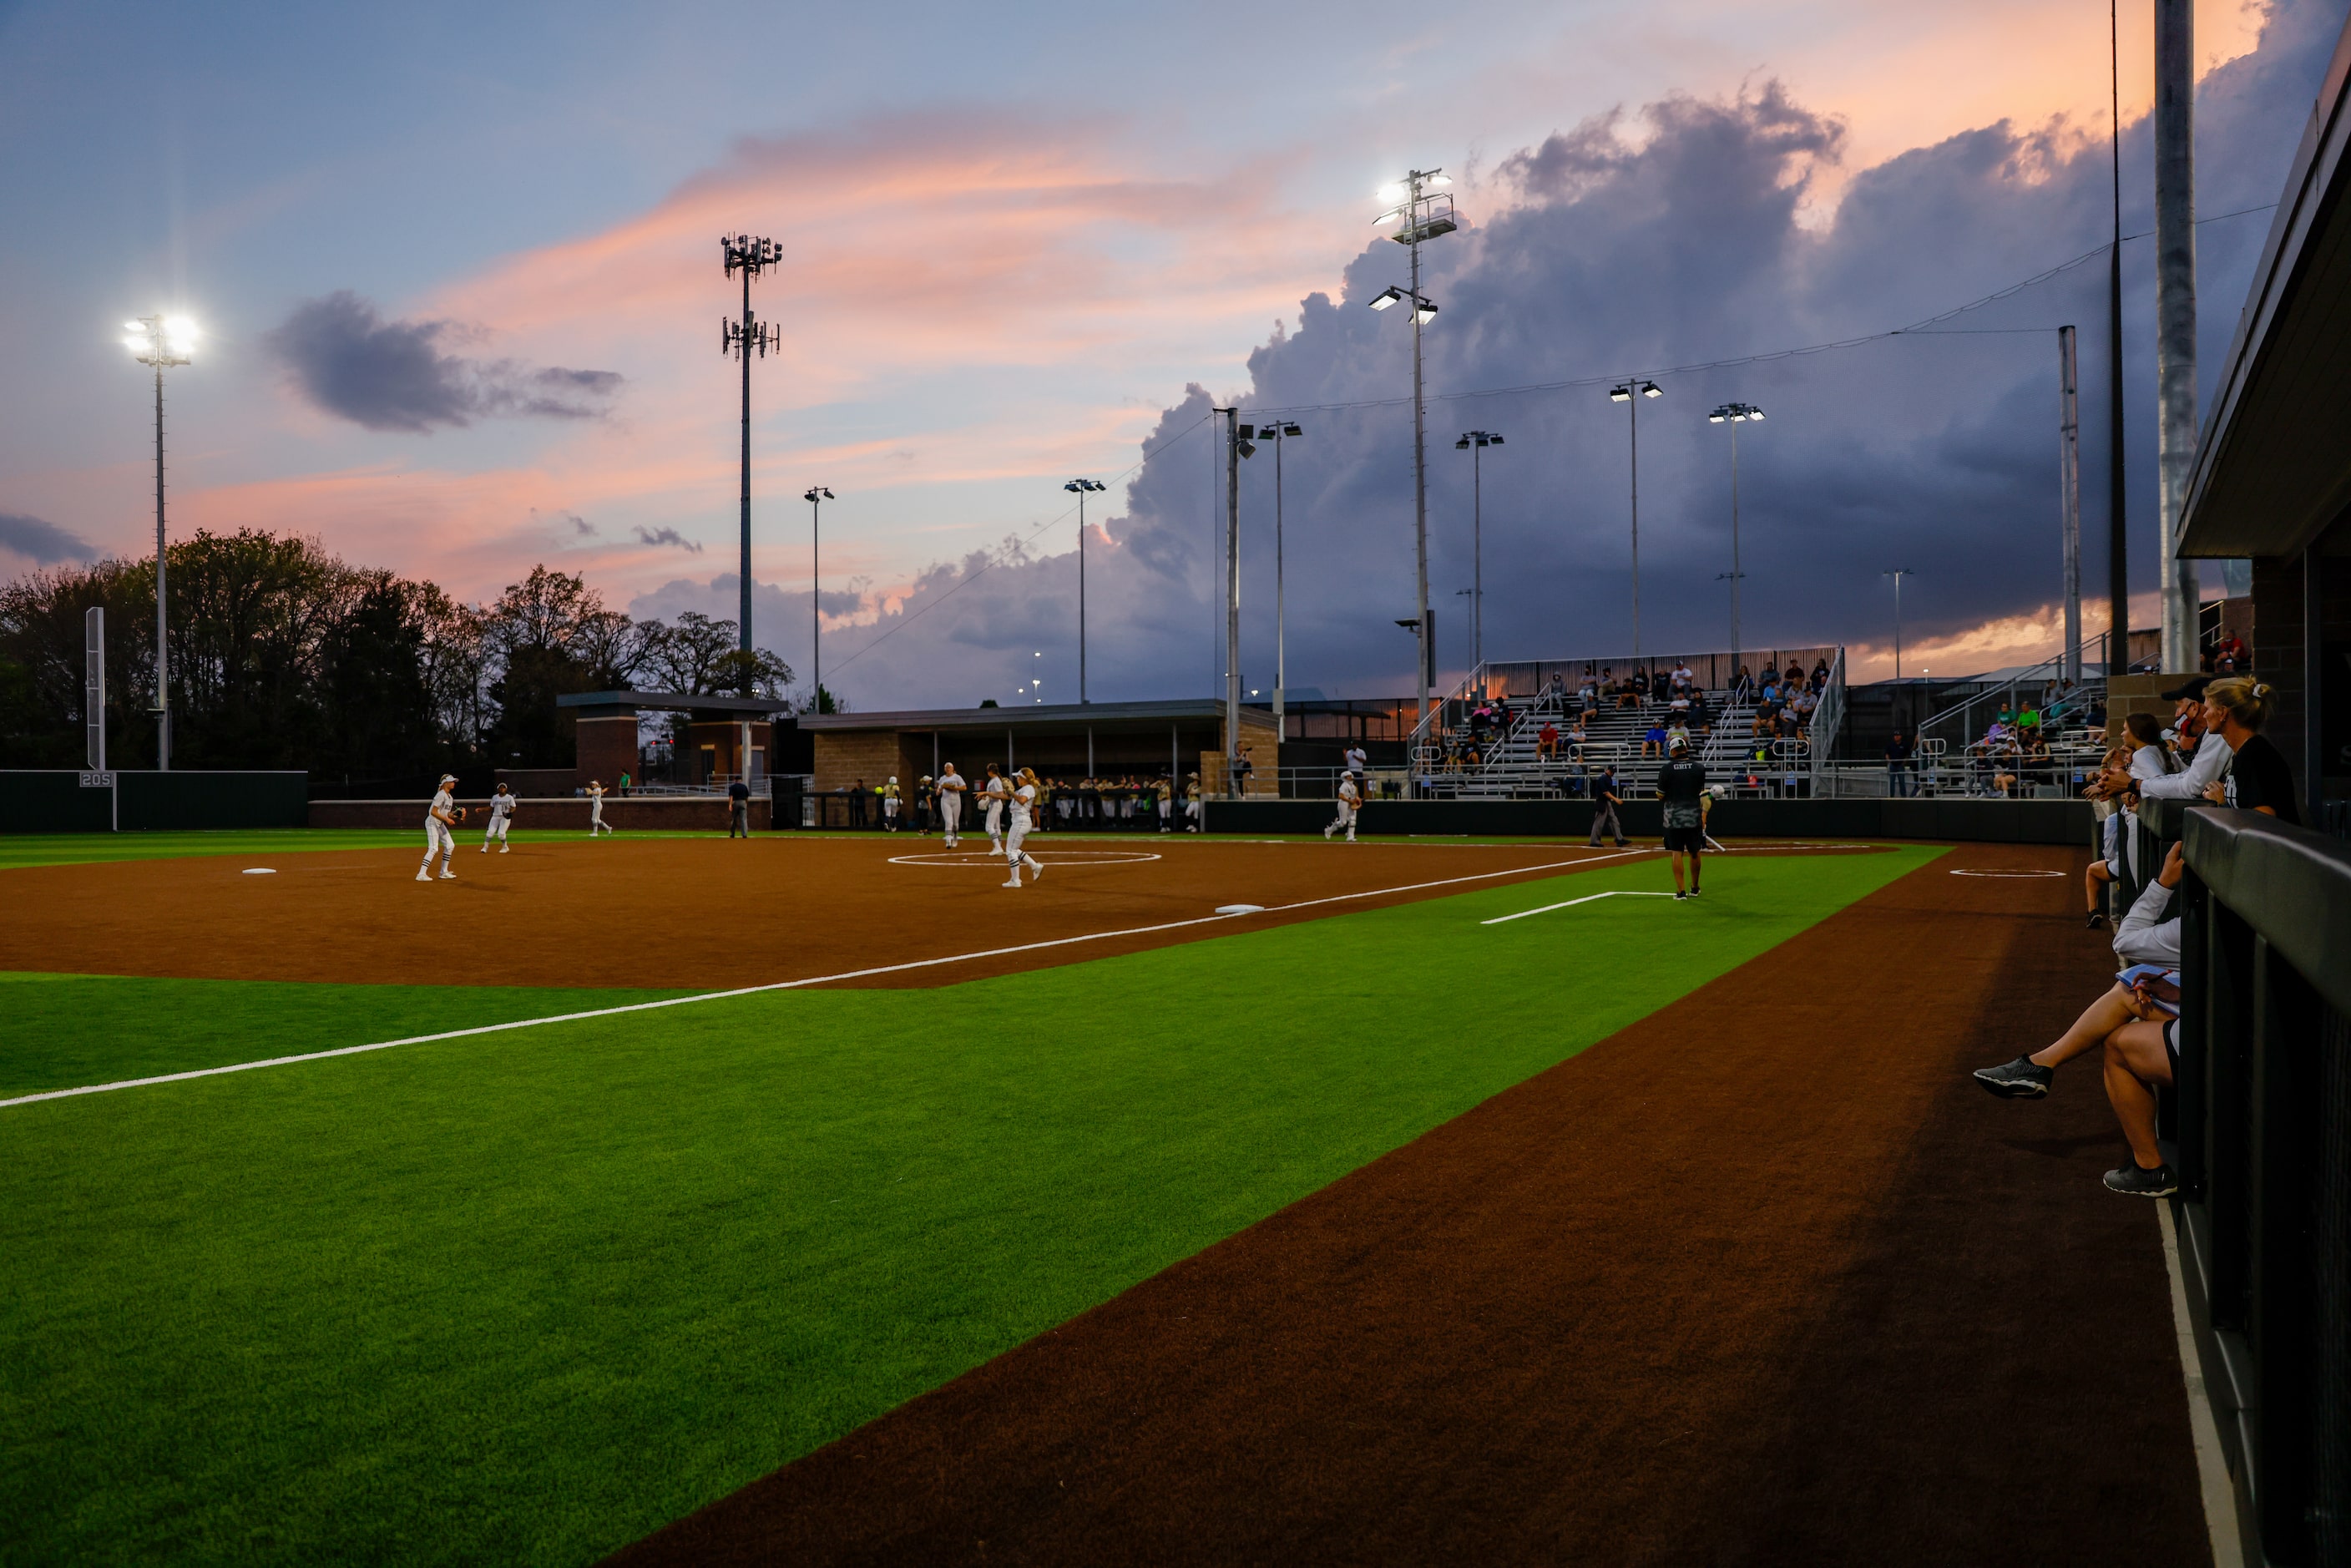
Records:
x=439, y=818
x=951, y=793
x=1681, y=785
x=1024, y=804
x=1604, y=802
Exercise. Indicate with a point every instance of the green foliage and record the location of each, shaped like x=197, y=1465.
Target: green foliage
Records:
x=526, y=1296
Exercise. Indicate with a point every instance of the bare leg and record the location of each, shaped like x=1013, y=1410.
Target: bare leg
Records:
x=2093, y=879
x=2136, y=1062
x=2099, y=1020
x=1677, y=859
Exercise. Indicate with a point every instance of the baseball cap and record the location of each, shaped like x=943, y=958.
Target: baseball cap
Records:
x=2192, y=688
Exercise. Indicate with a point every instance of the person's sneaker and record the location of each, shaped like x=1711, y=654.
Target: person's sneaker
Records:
x=502, y=849
x=1326, y=835
x=448, y=876
x=424, y=876
x=1693, y=892
x=1681, y=897
x=2160, y=1182
x=1014, y=883
x=2096, y=922
x=2018, y=1079
x=1036, y=871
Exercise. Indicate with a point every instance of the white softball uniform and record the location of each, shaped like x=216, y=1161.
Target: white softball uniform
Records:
x=1348, y=799
x=596, y=813
x=437, y=836
x=501, y=807
x=995, y=794
x=950, y=788
x=1022, y=800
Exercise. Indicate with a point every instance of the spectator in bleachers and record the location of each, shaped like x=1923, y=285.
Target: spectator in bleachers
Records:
x=1821, y=674
x=2208, y=753
x=2258, y=777
x=1901, y=766
x=1547, y=741
x=1742, y=685
x=2229, y=657
x=1677, y=735
x=1684, y=678
x=1701, y=717
x=1653, y=741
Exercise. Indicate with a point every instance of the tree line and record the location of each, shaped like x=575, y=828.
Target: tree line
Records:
x=285, y=656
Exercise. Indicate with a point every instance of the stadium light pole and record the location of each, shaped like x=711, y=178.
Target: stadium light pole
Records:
x=1238, y=443
x=750, y=256
x=1898, y=574
x=2118, y=473
x=1081, y=488
x=1630, y=394
x=1734, y=415
x=1474, y=442
x=1427, y=213
x=161, y=342
x=1278, y=432
x=816, y=496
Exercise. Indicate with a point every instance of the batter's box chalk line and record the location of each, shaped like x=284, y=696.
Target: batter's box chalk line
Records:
x=1058, y=857
x=310, y=1056
x=1587, y=898
x=2008, y=874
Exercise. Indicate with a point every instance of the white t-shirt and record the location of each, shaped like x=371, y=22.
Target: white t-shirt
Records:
x=442, y=807
x=1020, y=800
x=997, y=791
x=501, y=806
x=1354, y=759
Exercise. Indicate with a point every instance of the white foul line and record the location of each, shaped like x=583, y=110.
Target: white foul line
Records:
x=782, y=985
x=1546, y=909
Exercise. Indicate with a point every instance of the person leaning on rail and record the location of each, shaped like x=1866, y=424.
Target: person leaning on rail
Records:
x=2134, y=1026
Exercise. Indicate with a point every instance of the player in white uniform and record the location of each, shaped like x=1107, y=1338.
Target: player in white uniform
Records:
x=1350, y=801
x=438, y=819
x=993, y=795
x=951, y=793
x=1024, y=803
x=595, y=823
x=502, y=806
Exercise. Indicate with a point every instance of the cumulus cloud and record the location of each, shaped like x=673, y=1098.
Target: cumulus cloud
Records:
x=396, y=376
x=667, y=536
x=1672, y=236
x=44, y=544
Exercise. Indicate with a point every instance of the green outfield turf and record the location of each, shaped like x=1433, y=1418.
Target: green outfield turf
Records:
x=17, y=849
x=528, y=1295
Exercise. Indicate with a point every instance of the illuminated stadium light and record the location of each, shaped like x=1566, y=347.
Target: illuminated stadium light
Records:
x=1734, y=415
x=1474, y=442
x=161, y=342
x=1624, y=391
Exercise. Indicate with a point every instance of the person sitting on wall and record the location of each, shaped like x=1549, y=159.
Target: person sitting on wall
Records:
x=2258, y=777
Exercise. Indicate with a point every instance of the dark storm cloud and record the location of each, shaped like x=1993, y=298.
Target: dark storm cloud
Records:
x=1631, y=244
x=44, y=544
x=393, y=375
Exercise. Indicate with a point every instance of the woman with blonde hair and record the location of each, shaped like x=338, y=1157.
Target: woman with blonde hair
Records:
x=1024, y=805
x=2258, y=777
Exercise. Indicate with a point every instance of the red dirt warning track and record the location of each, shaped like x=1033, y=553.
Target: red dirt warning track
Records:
x=694, y=913
x=1764, y=1279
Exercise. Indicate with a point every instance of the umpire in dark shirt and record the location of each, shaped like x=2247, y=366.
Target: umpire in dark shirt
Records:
x=738, y=809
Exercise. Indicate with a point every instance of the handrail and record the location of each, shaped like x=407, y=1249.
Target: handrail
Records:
x=1828, y=715
x=2051, y=668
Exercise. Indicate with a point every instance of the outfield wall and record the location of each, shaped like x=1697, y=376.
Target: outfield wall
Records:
x=1985, y=822
x=560, y=813
x=54, y=800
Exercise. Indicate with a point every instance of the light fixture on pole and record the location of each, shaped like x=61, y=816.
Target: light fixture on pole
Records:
x=1630, y=394
x=750, y=256
x=816, y=496
x=1474, y=442
x=1081, y=488
x=1898, y=574
x=1278, y=432
x=1424, y=211
x=1734, y=415
x=162, y=343
x=1238, y=443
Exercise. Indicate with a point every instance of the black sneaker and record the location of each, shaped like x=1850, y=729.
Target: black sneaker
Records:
x=1681, y=897
x=2160, y=1182
x=1693, y=892
x=2018, y=1079
x=2097, y=922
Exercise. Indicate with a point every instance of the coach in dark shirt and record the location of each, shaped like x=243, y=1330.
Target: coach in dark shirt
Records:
x=738, y=809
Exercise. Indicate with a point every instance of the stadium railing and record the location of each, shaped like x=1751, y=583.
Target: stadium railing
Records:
x=2261, y=1124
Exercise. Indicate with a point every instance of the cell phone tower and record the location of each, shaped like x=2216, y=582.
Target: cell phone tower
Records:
x=750, y=256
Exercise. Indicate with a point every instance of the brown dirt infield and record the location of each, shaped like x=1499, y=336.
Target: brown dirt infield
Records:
x=691, y=913
x=1764, y=1279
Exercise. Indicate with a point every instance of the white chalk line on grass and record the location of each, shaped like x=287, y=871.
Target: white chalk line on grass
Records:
x=1587, y=898
x=786, y=985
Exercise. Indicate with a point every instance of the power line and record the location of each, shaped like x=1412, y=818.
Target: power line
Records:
x=1922, y=328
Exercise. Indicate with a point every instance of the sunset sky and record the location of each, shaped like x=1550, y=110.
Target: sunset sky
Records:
x=458, y=274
